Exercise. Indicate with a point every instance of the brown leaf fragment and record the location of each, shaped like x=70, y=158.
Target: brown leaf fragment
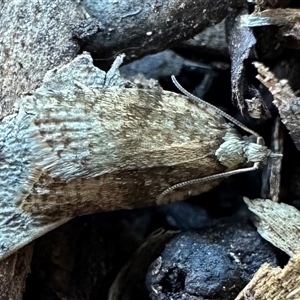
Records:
x=278, y=223
x=274, y=283
x=240, y=41
x=286, y=100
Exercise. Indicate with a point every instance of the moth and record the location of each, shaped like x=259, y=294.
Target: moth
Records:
x=84, y=143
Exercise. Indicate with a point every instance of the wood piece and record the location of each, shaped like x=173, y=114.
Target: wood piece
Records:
x=278, y=223
x=35, y=37
x=286, y=100
x=274, y=283
x=272, y=172
x=82, y=144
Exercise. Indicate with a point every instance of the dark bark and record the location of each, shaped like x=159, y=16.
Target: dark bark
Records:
x=240, y=43
x=137, y=28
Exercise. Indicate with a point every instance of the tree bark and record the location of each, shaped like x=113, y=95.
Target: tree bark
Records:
x=274, y=283
x=278, y=223
x=35, y=37
x=285, y=97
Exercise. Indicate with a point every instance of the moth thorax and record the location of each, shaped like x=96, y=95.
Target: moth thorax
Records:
x=256, y=153
x=231, y=152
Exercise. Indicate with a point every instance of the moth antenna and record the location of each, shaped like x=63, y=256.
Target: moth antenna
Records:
x=204, y=179
x=219, y=111
x=197, y=100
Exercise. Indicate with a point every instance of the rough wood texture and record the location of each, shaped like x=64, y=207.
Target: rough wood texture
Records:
x=274, y=283
x=35, y=37
x=271, y=177
x=286, y=100
x=278, y=223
